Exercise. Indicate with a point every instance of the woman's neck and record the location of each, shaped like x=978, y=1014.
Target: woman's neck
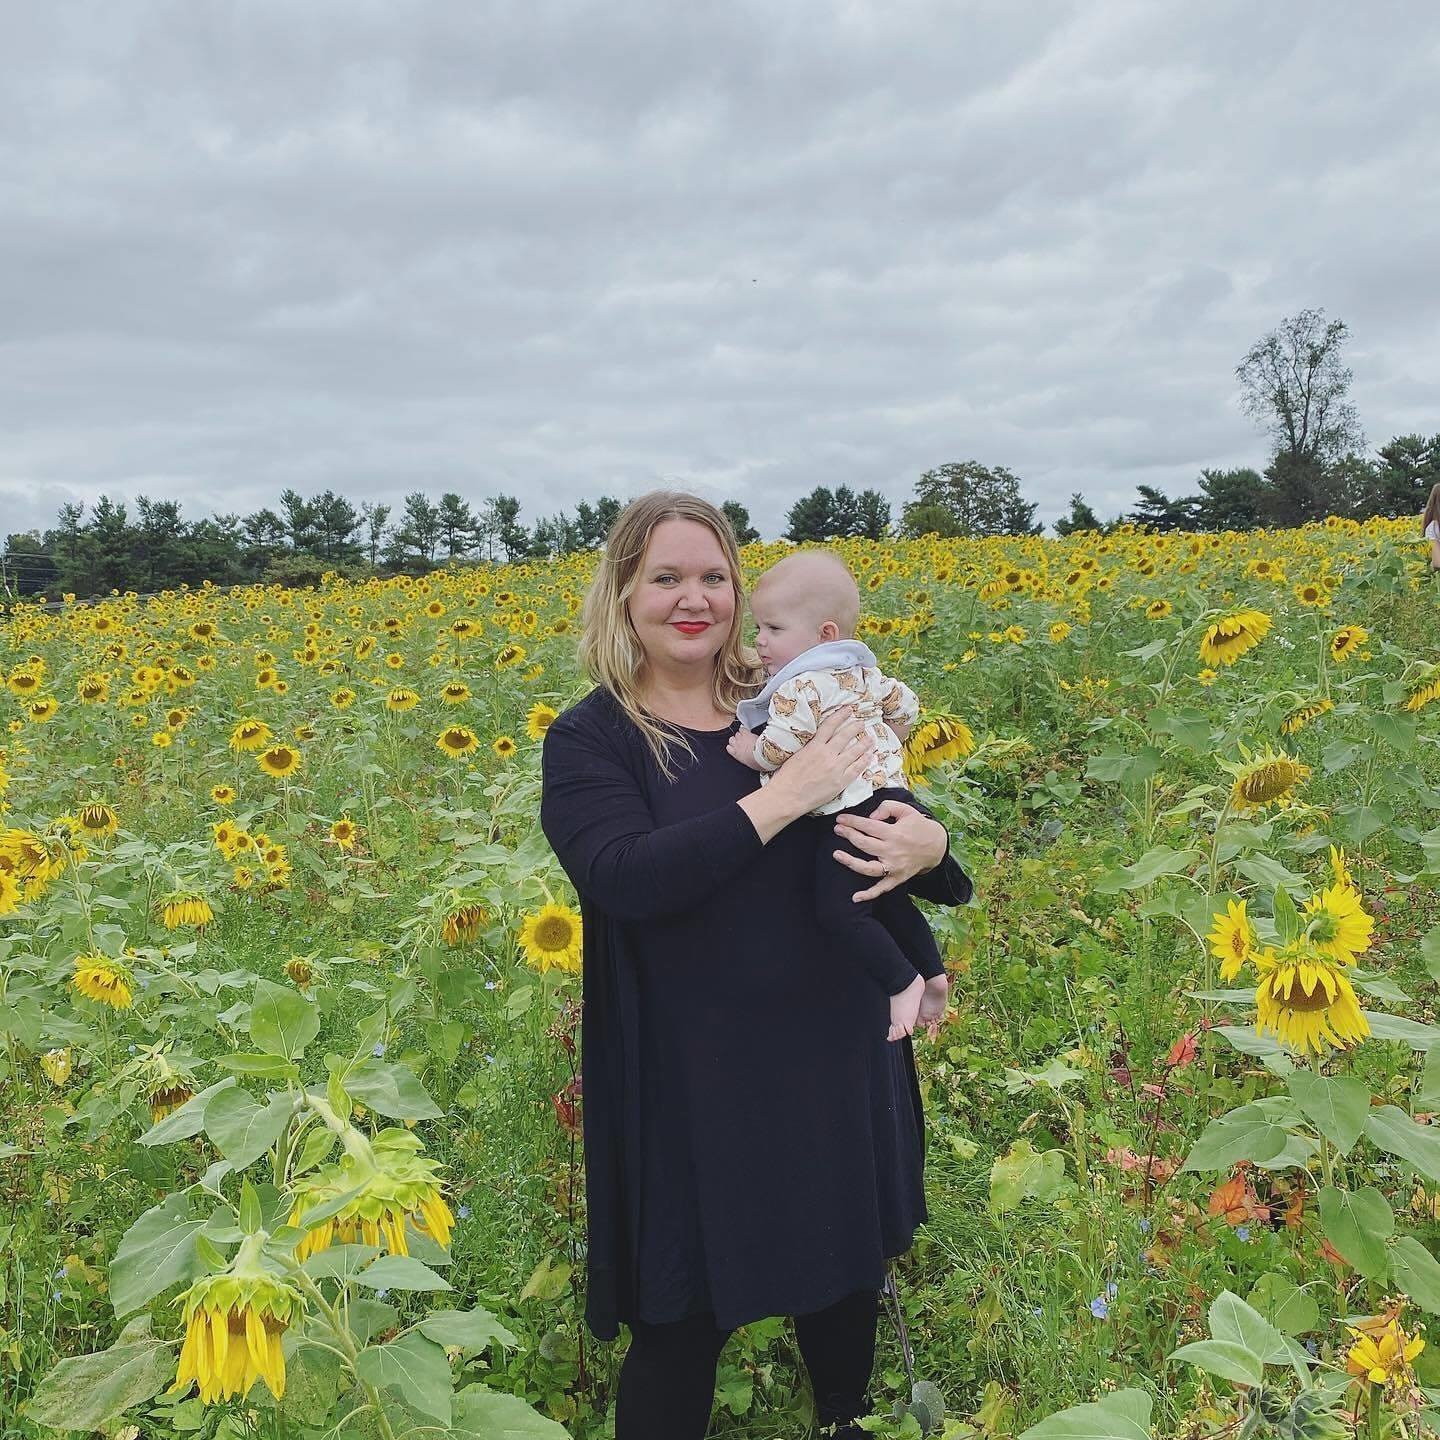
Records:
x=683, y=700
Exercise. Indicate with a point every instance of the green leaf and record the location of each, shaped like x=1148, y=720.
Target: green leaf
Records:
x=469, y=1330
x=1024, y=1173
x=250, y=1216
x=1427, y=1093
x=1416, y=1272
x=1358, y=1223
x=1430, y=953
x=1244, y=1134
x=1224, y=1358
x=156, y=1252
x=482, y=1414
x=413, y=1366
x=1397, y=1134
x=1150, y=867
x=1284, y=1304
x=242, y=1128
x=339, y=1262
x=1287, y=917
x=547, y=1281
x=401, y=1272
x=1336, y=1105
x=1266, y=871
x=1187, y=725
x=1397, y=731
x=282, y=1021
x=1123, y=1415
x=1235, y=1322
x=1414, y=1033
x=189, y=1119
x=270, y=1067
x=390, y=1090
x=85, y=1392
x=1122, y=767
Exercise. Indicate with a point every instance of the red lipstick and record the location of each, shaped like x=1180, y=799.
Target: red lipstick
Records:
x=692, y=627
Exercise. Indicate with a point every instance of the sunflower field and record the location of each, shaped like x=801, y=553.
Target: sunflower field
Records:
x=289, y=998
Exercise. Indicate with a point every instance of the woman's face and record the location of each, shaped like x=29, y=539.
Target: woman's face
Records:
x=684, y=596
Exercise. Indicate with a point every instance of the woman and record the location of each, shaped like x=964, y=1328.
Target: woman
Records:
x=1430, y=524
x=753, y=1142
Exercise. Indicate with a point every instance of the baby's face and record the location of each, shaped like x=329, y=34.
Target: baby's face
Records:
x=784, y=626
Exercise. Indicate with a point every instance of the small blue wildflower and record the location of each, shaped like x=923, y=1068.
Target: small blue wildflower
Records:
x=1111, y=1290
x=1144, y=1224
x=491, y=984
x=1037, y=1312
x=489, y=1059
x=378, y=1051
x=1312, y=1347
x=1242, y=1232
x=381, y=1294
x=56, y=1295
x=1100, y=1308
x=463, y=1212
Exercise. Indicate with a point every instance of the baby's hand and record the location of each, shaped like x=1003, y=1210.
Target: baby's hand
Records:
x=741, y=747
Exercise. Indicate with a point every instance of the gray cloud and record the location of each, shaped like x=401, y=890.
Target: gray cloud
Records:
x=562, y=249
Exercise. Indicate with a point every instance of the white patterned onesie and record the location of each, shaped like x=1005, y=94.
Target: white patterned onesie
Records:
x=798, y=698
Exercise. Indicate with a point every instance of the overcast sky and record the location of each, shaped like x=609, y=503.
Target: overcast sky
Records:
x=569, y=249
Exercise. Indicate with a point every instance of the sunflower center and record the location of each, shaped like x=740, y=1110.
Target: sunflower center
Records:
x=553, y=933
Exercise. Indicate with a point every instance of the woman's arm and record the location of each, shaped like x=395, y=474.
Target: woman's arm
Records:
x=598, y=824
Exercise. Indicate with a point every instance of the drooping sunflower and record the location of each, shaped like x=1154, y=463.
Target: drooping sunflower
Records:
x=1159, y=610
x=401, y=699
x=97, y=821
x=1346, y=641
x=235, y=1323
x=551, y=938
x=539, y=719
x=44, y=709
x=280, y=761
x=457, y=692
x=457, y=741
x=1232, y=635
x=185, y=907
x=93, y=689
x=248, y=735
x=343, y=698
x=1338, y=925
x=1232, y=939
x=936, y=740
x=393, y=1184
x=1422, y=691
x=104, y=979
x=1302, y=715
x=462, y=924
x=1266, y=779
x=1059, y=631
x=9, y=893
x=510, y=656
x=1306, y=1002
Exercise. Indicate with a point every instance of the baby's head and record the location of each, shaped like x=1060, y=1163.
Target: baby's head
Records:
x=808, y=598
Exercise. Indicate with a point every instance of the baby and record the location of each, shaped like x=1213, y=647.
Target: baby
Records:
x=805, y=611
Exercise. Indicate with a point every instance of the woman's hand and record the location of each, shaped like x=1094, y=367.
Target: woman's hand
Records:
x=840, y=751
x=903, y=843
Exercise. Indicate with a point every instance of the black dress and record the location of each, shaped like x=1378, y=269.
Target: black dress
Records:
x=753, y=1144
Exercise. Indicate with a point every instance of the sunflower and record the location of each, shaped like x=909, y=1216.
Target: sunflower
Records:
x=1338, y=925
x=1346, y=641
x=223, y=794
x=162, y=740
x=280, y=761
x=936, y=740
x=457, y=741
x=1419, y=693
x=93, y=689
x=455, y=693
x=105, y=980
x=343, y=698
x=1297, y=719
x=400, y=699
x=389, y=1183
x=56, y=1065
x=1382, y=1353
x=550, y=938
x=234, y=1325
x=1159, y=610
x=45, y=709
x=1266, y=779
x=344, y=832
x=185, y=907
x=24, y=682
x=503, y=746
x=1339, y=868
x=1232, y=940
x=249, y=735
x=1059, y=631
x=1232, y=635
x=1312, y=593
x=97, y=821
x=462, y=924
x=539, y=719
x=509, y=656
x=1305, y=1002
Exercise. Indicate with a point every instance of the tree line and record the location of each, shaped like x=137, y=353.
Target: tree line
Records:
x=1293, y=382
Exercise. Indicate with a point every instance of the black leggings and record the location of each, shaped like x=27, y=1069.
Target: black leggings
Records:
x=667, y=1379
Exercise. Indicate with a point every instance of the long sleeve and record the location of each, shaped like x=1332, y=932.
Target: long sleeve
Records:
x=899, y=704
x=792, y=722
x=596, y=819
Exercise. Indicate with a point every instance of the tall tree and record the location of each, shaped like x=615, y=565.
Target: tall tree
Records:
x=739, y=518
x=593, y=522
x=812, y=516
x=334, y=522
x=1157, y=511
x=26, y=566
x=374, y=519
x=158, y=545
x=457, y=525
x=1296, y=387
x=418, y=534
x=112, y=542
x=1410, y=466
x=980, y=500
x=872, y=516
x=299, y=517
x=1230, y=500
x=1080, y=518
x=264, y=536
x=500, y=524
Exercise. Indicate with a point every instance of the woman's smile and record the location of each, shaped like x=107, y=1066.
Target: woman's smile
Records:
x=691, y=627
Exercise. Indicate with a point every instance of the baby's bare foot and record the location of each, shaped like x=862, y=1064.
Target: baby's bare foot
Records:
x=904, y=1008
x=933, y=1004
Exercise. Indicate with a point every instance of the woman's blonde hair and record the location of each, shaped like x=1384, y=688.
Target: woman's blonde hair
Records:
x=610, y=649
x=1432, y=508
